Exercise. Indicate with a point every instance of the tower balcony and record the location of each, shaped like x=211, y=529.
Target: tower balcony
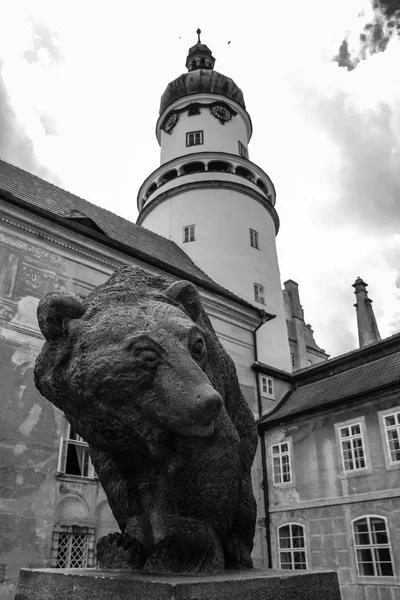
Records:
x=205, y=166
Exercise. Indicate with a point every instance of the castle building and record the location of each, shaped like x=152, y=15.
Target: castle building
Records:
x=206, y=214
x=332, y=486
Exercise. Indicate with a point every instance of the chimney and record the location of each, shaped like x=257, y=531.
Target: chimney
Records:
x=368, y=332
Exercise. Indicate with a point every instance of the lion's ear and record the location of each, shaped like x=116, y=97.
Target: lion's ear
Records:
x=186, y=294
x=55, y=311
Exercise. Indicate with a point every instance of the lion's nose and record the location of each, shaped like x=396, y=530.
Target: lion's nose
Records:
x=210, y=406
x=213, y=404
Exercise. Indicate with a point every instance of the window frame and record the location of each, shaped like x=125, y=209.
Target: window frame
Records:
x=194, y=133
x=71, y=530
x=254, y=237
x=291, y=549
x=343, y=473
x=191, y=229
x=66, y=441
x=293, y=360
x=270, y=384
x=372, y=547
x=243, y=151
x=291, y=482
x=257, y=287
x=385, y=442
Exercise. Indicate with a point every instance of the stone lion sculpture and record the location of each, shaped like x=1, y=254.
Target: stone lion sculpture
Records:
x=141, y=376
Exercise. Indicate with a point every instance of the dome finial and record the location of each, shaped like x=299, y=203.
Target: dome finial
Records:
x=199, y=56
x=198, y=31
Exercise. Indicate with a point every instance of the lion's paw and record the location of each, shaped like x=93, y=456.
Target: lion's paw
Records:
x=120, y=551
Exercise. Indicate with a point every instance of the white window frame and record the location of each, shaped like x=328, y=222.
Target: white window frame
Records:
x=259, y=293
x=267, y=386
x=292, y=550
x=195, y=138
x=279, y=455
x=373, y=547
x=365, y=447
x=70, y=531
x=254, y=239
x=390, y=465
x=66, y=441
x=189, y=233
x=243, y=152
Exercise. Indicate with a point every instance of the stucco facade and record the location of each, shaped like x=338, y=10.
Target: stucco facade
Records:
x=341, y=476
x=41, y=506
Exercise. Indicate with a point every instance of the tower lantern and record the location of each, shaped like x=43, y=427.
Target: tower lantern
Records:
x=209, y=198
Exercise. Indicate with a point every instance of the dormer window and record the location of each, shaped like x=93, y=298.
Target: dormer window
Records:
x=194, y=138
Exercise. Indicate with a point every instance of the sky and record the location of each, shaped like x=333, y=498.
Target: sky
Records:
x=80, y=86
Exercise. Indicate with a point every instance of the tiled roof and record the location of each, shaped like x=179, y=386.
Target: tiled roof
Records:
x=360, y=379
x=41, y=194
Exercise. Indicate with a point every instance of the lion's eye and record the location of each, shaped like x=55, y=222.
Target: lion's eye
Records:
x=197, y=348
x=147, y=355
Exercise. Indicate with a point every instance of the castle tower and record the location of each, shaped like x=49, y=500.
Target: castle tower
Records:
x=210, y=199
x=368, y=331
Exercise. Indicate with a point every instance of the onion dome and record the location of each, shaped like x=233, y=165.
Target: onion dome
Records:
x=201, y=78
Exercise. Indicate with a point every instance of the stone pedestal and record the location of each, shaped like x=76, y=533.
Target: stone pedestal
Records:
x=91, y=584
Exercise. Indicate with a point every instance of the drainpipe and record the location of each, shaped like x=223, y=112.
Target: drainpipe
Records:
x=264, y=318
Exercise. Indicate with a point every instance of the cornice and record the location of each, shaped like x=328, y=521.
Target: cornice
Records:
x=210, y=184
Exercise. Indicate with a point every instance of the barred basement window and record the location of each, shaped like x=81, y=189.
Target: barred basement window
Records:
x=372, y=547
x=72, y=550
x=352, y=447
x=292, y=553
x=73, y=458
x=188, y=233
x=259, y=293
x=254, y=238
x=243, y=150
x=194, y=138
x=281, y=463
x=392, y=431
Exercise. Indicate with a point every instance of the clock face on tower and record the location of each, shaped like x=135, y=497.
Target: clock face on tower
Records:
x=221, y=113
x=170, y=122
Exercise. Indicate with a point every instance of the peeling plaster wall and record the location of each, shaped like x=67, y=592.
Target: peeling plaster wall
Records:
x=325, y=500
x=33, y=497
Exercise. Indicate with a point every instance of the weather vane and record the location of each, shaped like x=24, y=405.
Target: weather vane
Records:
x=198, y=35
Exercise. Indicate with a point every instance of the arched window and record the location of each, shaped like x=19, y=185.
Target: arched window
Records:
x=194, y=167
x=219, y=165
x=372, y=547
x=150, y=190
x=292, y=547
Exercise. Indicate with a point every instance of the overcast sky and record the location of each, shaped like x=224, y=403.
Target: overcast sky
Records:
x=80, y=85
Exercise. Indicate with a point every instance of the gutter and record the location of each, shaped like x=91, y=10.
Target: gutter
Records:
x=264, y=318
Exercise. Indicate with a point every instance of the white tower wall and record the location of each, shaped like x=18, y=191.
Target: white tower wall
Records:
x=223, y=219
x=217, y=137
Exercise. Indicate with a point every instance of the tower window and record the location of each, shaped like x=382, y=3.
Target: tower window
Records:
x=243, y=150
x=267, y=386
x=188, y=233
x=259, y=293
x=194, y=138
x=254, y=239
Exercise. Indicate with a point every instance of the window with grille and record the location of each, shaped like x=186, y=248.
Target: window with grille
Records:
x=259, y=293
x=281, y=463
x=188, y=233
x=194, y=138
x=72, y=552
x=73, y=458
x=243, y=150
x=392, y=432
x=292, y=550
x=372, y=547
x=267, y=386
x=254, y=239
x=352, y=447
